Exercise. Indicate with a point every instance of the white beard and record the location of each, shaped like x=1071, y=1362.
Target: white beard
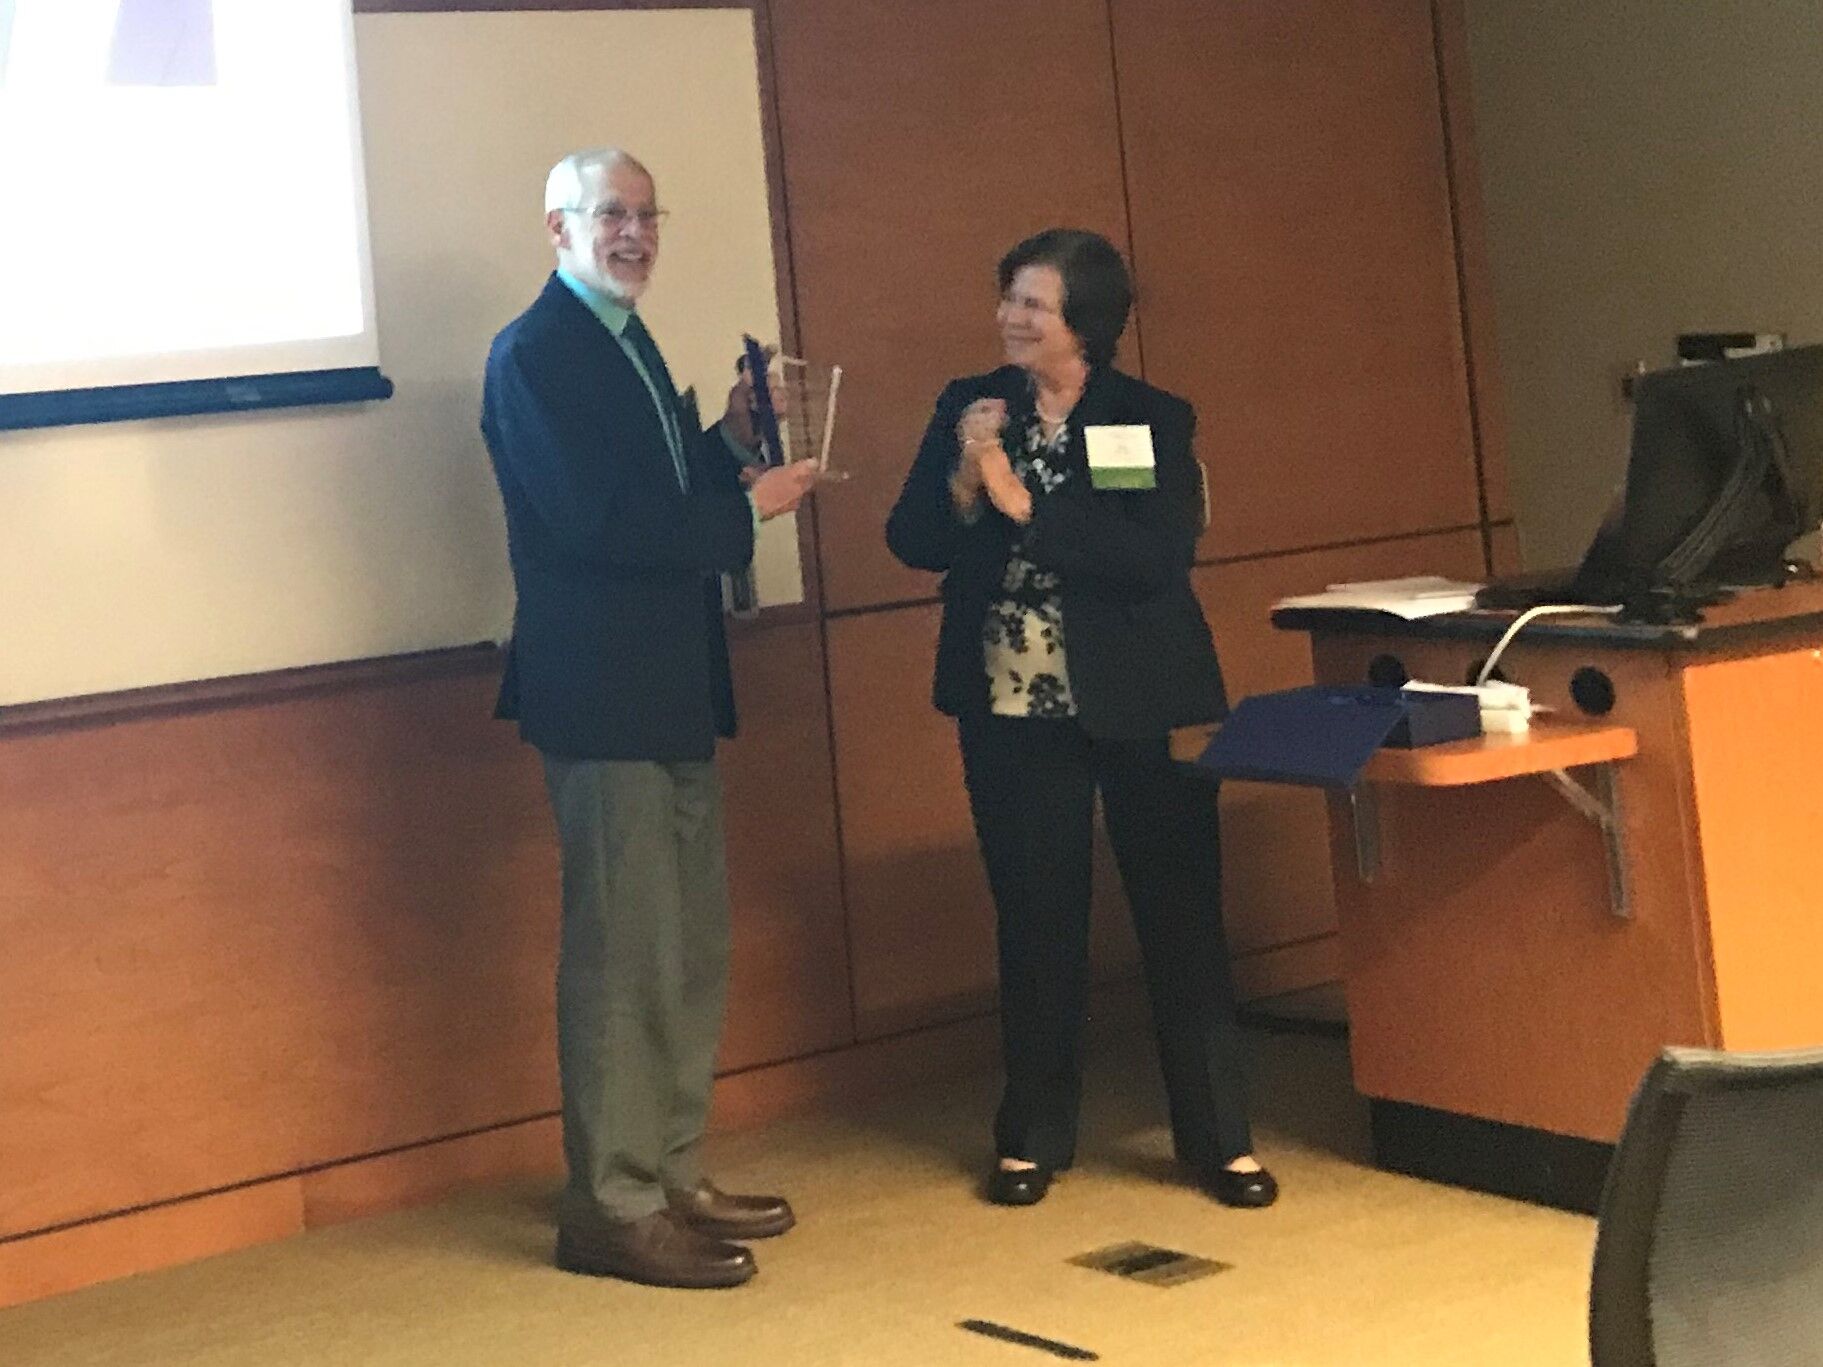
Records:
x=625, y=295
x=585, y=270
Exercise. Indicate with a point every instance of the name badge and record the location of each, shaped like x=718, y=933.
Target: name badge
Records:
x=1121, y=457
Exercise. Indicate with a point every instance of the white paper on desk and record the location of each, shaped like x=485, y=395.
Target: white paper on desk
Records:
x=1421, y=595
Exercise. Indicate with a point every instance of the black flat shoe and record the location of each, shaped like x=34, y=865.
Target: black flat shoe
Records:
x=1018, y=1187
x=1248, y=1190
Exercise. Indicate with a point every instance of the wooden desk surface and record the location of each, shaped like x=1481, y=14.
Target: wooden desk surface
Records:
x=1754, y=617
x=1547, y=746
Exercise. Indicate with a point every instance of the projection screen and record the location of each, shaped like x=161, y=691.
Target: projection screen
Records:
x=183, y=219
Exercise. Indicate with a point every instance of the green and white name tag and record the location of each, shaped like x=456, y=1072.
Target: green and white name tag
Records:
x=1120, y=457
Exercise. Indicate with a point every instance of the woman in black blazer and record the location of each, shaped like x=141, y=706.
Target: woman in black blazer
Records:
x=1061, y=502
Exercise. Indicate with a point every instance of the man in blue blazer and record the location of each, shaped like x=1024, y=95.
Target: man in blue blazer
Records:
x=621, y=514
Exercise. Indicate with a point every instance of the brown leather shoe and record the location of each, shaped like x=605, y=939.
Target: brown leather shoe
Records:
x=708, y=1210
x=658, y=1250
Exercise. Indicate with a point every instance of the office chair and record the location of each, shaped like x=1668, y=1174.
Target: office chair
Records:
x=1709, y=1243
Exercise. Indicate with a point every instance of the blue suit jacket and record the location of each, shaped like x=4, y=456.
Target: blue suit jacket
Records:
x=618, y=650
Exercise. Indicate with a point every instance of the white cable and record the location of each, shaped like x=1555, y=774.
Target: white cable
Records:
x=1531, y=614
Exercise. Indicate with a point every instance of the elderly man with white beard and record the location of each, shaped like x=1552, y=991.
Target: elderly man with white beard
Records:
x=622, y=512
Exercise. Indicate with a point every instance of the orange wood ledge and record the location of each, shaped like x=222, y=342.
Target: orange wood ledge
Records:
x=1488, y=758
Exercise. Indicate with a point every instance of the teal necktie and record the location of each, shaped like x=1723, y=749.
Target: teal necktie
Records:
x=660, y=375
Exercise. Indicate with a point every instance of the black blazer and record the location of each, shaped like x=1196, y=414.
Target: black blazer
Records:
x=1139, y=653
x=617, y=649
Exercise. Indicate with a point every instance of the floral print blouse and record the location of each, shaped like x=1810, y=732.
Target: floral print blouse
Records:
x=1022, y=638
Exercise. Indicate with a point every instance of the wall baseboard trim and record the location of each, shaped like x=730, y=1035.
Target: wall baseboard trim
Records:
x=69, y=1258
x=1288, y=968
x=39, y=1266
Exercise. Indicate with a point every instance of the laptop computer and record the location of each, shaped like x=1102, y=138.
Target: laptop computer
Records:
x=1597, y=580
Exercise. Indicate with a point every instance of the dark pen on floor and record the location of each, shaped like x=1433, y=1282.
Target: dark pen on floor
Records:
x=1019, y=1336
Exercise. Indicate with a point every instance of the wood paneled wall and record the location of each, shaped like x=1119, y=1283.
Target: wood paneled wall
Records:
x=249, y=940
x=246, y=940
x=1292, y=240
x=282, y=956
x=922, y=138
x=1286, y=183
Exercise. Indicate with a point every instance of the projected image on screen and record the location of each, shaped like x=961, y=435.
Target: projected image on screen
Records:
x=156, y=42
x=182, y=192
x=164, y=42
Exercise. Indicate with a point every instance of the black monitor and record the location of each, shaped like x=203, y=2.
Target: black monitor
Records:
x=1724, y=472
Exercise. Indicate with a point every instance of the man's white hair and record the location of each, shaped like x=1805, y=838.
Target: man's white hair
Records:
x=571, y=180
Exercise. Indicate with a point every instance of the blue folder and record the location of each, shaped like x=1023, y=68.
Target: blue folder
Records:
x=1323, y=736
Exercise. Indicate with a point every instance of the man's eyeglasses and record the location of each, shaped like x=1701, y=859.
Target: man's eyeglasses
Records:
x=615, y=217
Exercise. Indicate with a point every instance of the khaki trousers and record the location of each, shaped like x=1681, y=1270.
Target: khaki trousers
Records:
x=642, y=975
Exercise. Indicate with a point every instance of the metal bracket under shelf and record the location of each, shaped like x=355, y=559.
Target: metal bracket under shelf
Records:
x=1601, y=806
x=1364, y=817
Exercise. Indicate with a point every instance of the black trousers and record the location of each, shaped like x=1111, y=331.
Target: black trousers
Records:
x=1031, y=786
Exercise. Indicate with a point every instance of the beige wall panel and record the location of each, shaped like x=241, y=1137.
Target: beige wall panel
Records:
x=1293, y=241
x=1504, y=541
x=922, y=138
x=1648, y=169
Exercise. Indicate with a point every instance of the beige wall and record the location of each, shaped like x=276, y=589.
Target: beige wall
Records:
x=1649, y=167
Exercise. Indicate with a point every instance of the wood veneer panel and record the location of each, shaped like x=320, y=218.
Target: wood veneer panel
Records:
x=1287, y=968
x=121, y=1245
x=1293, y=241
x=874, y=1067
x=145, y=1240
x=788, y=984
x=428, y=1172
x=1474, y=265
x=922, y=138
x=1486, y=973
x=1275, y=860
x=1756, y=748
x=921, y=922
x=482, y=6
x=247, y=941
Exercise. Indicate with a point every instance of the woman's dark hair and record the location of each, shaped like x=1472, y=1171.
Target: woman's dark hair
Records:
x=1097, y=292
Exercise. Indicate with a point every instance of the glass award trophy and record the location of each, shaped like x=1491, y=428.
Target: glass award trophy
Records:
x=794, y=417
x=794, y=407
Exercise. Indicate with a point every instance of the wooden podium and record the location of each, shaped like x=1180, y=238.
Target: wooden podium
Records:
x=1526, y=920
